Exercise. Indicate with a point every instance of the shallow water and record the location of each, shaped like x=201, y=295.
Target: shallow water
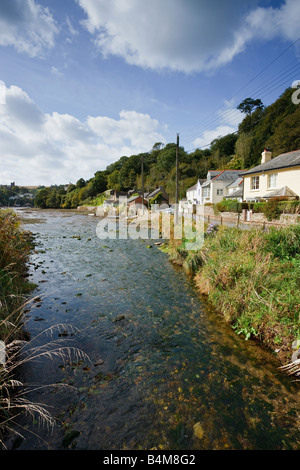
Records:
x=164, y=371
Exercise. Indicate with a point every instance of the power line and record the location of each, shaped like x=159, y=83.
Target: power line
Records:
x=231, y=114
x=196, y=128
x=266, y=87
x=236, y=132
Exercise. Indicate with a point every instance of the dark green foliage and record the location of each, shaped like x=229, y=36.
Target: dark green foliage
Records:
x=224, y=146
x=229, y=205
x=276, y=126
x=15, y=195
x=284, y=243
x=271, y=209
x=249, y=104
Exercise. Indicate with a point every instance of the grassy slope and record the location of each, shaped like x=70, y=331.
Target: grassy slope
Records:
x=253, y=279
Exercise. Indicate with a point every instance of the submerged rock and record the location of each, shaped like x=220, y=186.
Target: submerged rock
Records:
x=99, y=362
x=119, y=318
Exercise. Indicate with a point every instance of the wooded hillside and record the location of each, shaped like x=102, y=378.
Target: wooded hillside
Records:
x=276, y=126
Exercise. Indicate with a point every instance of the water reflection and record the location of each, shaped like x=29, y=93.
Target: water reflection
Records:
x=164, y=372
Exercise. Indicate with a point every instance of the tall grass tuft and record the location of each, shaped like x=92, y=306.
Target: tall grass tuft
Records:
x=13, y=393
x=15, y=247
x=252, y=278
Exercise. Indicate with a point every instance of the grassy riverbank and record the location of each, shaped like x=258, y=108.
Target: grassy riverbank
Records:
x=252, y=278
x=15, y=247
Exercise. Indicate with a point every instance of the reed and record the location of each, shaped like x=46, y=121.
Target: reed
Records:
x=13, y=393
x=15, y=247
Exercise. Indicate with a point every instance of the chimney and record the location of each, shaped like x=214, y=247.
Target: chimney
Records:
x=266, y=155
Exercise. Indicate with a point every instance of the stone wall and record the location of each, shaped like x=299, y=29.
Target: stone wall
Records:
x=87, y=209
x=250, y=218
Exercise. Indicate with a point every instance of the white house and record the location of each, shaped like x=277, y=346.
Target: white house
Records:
x=274, y=177
x=235, y=190
x=193, y=194
x=216, y=187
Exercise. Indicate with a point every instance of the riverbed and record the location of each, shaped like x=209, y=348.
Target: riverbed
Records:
x=147, y=364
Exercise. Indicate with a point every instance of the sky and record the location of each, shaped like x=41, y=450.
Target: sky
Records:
x=85, y=82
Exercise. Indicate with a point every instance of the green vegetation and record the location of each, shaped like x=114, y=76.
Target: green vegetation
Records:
x=272, y=209
x=15, y=247
x=15, y=195
x=252, y=278
x=275, y=126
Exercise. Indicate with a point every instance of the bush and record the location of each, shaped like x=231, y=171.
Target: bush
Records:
x=284, y=243
x=289, y=207
x=271, y=210
x=258, y=207
x=229, y=205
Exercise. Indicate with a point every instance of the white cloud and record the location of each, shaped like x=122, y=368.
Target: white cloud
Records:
x=231, y=116
x=209, y=136
x=227, y=123
x=39, y=148
x=2, y=92
x=183, y=35
x=27, y=26
x=56, y=71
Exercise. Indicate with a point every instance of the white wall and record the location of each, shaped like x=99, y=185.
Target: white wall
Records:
x=286, y=177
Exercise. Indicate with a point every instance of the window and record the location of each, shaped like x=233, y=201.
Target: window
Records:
x=205, y=192
x=255, y=182
x=219, y=192
x=272, y=181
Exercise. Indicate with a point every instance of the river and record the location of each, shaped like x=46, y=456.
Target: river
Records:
x=162, y=372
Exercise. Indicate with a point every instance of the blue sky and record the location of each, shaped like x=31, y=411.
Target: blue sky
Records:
x=84, y=82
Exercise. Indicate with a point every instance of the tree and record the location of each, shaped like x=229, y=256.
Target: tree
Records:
x=113, y=180
x=41, y=198
x=223, y=146
x=236, y=163
x=99, y=183
x=243, y=149
x=53, y=200
x=249, y=105
x=80, y=183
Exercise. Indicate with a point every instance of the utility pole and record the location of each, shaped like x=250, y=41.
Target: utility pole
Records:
x=177, y=171
x=142, y=173
x=177, y=180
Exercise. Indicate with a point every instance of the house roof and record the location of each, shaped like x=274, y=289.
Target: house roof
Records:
x=285, y=191
x=213, y=173
x=285, y=160
x=133, y=198
x=237, y=193
x=157, y=191
x=192, y=188
x=228, y=176
x=237, y=182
